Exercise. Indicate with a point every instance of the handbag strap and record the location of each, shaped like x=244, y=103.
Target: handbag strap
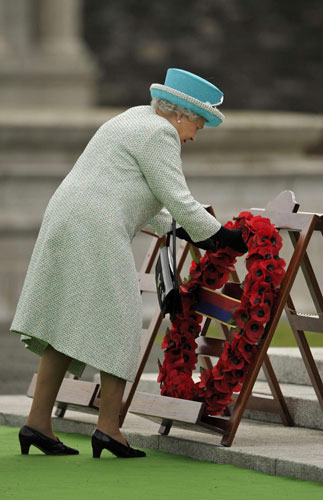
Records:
x=174, y=253
x=174, y=250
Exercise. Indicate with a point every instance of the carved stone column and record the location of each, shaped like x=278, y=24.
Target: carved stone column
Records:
x=5, y=48
x=49, y=64
x=60, y=26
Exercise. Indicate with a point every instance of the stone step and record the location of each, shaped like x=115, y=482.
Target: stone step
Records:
x=266, y=447
x=289, y=365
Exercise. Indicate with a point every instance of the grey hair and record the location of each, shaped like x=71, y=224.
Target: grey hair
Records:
x=168, y=107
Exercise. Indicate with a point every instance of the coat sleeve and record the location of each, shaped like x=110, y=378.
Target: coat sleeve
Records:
x=162, y=222
x=160, y=163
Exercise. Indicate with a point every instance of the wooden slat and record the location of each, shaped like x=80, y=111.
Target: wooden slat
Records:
x=77, y=392
x=261, y=402
x=208, y=346
x=154, y=405
x=220, y=425
x=200, y=426
x=283, y=202
x=146, y=282
x=292, y=222
x=307, y=323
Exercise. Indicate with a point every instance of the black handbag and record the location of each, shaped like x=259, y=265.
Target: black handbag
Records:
x=166, y=278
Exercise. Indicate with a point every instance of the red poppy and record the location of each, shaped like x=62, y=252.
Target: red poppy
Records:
x=162, y=372
x=248, y=286
x=224, y=399
x=217, y=370
x=176, y=322
x=266, y=252
x=214, y=410
x=190, y=326
x=268, y=299
x=206, y=377
x=252, y=259
x=261, y=293
x=260, y=312
x=195, y=270
x=258, y=271
x=214, y=280
x=210, y=389
x=230, y=225
x=258, y=222
x=260, y=288
x=240, y=316
x=171, y=341
x=254, y=330
x=246, y=349
x=183, y=385
x=188, y=302
x=213, y=271
x=234, y=362
x=227, y=254
x=245, y=301
x=267, y=272
x=190, y=359
x=198, y=318
x=246, y=233
x=217, y=402
x=244, y=216
x=188, y=288
x=222, y=386
x=221, y=259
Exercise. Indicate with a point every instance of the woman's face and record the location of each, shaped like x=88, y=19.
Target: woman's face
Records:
x=187, y=129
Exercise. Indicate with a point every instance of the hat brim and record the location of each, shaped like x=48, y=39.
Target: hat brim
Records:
x=210, y=113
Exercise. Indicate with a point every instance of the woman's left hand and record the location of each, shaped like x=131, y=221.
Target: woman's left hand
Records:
x=204, y=245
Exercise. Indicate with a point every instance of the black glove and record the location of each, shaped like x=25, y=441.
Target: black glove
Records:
x=226, y=237
x=230, y=238
x=208, y=244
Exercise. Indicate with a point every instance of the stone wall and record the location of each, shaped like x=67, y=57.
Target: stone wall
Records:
x=264, y=55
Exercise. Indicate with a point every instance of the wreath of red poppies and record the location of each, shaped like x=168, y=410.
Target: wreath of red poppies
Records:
x=265, y=271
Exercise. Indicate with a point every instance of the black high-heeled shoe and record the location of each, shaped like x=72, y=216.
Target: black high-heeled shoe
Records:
x=100, y=440
x=29, y=436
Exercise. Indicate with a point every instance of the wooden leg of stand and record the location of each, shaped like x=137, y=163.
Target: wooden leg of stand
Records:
x=60, y=410
x=165, y=427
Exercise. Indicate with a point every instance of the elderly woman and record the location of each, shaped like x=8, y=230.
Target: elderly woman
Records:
x=80, y=303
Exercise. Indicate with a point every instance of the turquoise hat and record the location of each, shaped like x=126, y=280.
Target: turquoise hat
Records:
x=191, y=92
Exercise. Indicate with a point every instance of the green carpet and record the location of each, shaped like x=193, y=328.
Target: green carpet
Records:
x=160, y=475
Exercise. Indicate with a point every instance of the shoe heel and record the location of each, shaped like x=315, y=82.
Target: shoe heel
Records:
x=96, y=448
x=24, y=445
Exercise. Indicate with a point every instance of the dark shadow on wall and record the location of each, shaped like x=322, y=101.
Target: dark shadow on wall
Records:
x=264, y=55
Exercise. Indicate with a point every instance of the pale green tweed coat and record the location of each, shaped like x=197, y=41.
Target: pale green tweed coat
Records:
x=81, y=293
